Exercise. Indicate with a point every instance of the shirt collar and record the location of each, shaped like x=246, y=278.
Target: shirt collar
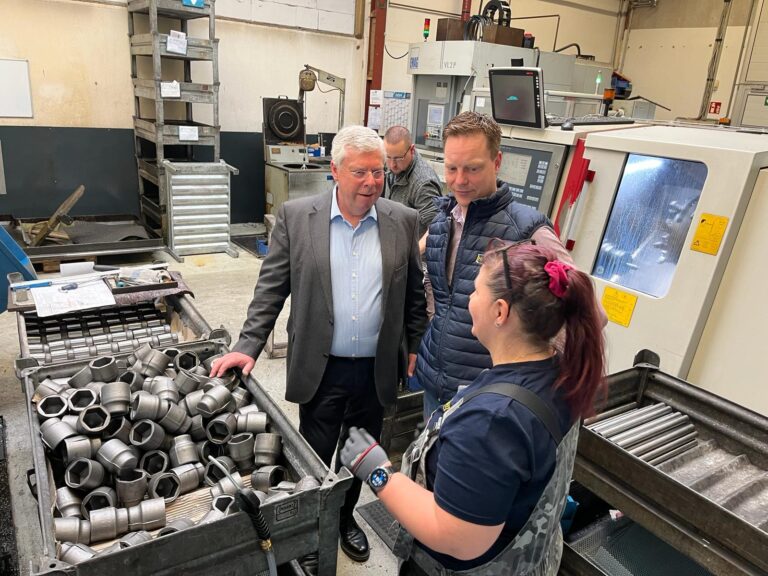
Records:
x=457, y=213
x=336, y=212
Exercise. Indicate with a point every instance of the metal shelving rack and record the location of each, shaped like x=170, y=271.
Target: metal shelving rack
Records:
x=184, y=198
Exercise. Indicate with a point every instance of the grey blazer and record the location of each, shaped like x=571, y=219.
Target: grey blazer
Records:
x=298, y=263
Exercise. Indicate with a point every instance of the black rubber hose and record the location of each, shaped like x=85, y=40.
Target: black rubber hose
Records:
x=250, y=504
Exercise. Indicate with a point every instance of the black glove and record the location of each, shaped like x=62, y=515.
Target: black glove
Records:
x=362, y=454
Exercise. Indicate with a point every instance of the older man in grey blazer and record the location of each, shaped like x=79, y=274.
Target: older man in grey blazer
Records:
x=350, y=261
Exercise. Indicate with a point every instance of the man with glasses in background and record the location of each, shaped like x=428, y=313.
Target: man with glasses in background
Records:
x=350, y=261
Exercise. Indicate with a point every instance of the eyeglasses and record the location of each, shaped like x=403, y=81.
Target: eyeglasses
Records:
x=361, y=174
x=397, y=159
x=497, y=246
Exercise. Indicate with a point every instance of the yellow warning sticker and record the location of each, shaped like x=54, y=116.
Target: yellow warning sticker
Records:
x=709, y=233
x=618, y=305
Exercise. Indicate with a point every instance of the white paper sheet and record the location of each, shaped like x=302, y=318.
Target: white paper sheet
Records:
x=170, y=89
x=188, y=133
x=177, y=42
x=53, y=300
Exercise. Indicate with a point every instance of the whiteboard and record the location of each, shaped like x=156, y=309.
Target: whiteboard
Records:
x=15, y=96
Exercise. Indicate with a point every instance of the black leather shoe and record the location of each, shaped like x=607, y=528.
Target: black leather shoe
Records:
x=308, y=563
x=353, y=541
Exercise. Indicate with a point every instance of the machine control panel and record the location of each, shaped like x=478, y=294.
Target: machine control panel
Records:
x=526, y=171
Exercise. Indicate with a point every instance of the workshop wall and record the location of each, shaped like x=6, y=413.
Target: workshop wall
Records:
x=590, y=23
x=79, y=63
x=669, y=49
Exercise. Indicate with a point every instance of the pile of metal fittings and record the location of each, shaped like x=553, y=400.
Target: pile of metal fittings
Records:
x=128, y=443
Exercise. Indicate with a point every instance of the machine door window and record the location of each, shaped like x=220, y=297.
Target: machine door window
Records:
x=649, y=222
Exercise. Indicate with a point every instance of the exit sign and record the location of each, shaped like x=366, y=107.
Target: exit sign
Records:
x=714, y=107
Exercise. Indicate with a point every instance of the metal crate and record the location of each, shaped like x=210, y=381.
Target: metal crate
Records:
x=302, y=523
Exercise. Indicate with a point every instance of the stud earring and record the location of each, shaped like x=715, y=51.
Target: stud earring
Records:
x=498, y=324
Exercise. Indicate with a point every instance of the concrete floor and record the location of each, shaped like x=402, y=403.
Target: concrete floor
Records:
x=223, y=287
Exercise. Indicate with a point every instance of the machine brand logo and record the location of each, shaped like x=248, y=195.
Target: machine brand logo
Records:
x=286, y=510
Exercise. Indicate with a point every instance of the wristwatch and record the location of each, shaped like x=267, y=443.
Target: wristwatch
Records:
x=379, y=478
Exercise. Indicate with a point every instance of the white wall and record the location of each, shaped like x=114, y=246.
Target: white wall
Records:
x=79, y=60
x=592, y=26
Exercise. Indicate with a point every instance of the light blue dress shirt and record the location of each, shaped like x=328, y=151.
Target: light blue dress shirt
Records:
x=356, y=284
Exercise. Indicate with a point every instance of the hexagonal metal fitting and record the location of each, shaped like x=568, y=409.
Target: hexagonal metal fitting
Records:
x=48, y=387
x=68, y=502
x=145, y=406
x=116, y=457
x=149, y=435
x=252, y=421
x=213, y=473
x=75, y=553
x=264, y=478
x=98, y=498
x=175, y=420
x=190, y=401
x=132, y=487
x=133, y=379
x=183, y=451
x=165, y=388
x=240, y=449
x=81, y=378
x=84, y=474
x=116, y=398
x=221, y=428
x=165, y=485
x=197, y=428
x=119, y=428
x=267, y=448
x=190, y=476
x=104, y=369
x=81, y=399
x=155, y=462
x=78, y=447
x=216, y=399
x=53, y=432
x=52, y=406
x=175, y=526
x=72, y=530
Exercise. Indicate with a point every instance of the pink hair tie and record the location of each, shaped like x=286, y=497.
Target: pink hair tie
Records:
x=558, y=276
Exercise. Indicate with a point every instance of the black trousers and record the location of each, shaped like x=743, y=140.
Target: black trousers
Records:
x=346, y=397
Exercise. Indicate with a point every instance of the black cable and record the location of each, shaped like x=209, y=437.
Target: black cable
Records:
x=538, y=56
x=324, y=91
x=394, y=57
x=572, y=44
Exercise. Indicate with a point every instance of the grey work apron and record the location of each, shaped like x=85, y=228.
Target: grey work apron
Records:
x=538, y=546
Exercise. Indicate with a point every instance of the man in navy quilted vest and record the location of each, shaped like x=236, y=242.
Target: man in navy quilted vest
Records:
x=479, y=208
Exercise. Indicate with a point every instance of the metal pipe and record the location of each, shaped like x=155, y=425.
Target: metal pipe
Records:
x=656, y=427
x=654, y=454
x=661, y=440
x=635, y=421
x=598, y=428
x=673, y=453
x=610, y=413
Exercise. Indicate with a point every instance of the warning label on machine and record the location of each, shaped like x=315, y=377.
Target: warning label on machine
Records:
x=618, y=305
x=709, y=233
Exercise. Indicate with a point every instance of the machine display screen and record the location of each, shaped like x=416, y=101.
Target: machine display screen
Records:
x=525, y=170
x=435, y=114
x=649, y=222
x=516, y=96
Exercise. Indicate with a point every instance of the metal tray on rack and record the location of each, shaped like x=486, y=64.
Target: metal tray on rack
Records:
x=300, y=524
x=197, y=48
x=171, y=8
x=149, y=130
x=710, y=502
x=188, y=91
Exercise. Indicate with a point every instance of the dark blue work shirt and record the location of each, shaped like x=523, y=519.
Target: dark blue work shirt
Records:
x=494, y=457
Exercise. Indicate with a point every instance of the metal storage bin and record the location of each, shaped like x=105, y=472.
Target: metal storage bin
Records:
x=189, y=91
x=197, y=48
x=710, y=502
x=300, y=523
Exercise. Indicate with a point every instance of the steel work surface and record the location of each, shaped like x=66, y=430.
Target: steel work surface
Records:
x=709, y=502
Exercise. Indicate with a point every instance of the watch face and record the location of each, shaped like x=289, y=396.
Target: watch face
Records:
x=378, y=478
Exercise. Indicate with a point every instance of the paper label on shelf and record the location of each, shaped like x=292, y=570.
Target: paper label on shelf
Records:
x=177, y=42
x=709, y=233
x=170, y=89
x=618, y=305
x=188, y=133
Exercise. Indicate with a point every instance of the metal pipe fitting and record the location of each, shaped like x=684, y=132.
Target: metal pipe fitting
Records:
x=226, y=486
x=116, y=457
x=53, y=406
x=149, y=435
x=215, y=400
x=241, y=397
x=145, y=406
x=165, y=389
x=81, y=378
x=251, y=421
x=247, y=409
x=96, y=387
x=68, y=502
x=75, y=553
x=267, y=448
x=108, y=523
x=172, y=353
x=240, y=449
x=190, y=401
x=70, y=420
x=133, y=379
x=175, y=526
x=98, y=498
x=221, y=506
x=197, y=428
x=119, y=428
x=208, y=362
x=307, y=483
x=183, y=451
x=190, y=476
x=104, y=369
x=165, y=485
x=72, y=530
x=53, y=432
x=264, y=478
x=155, y=462
x=152, y=364
x=175, y=420
x=207, y=449
x=220, y=429
x=132, y=487
x=93, y=421
x=213, y=473
x=187, y=382
x=116, y=398
x=84, y=474
x=81, y=399
x=186, y=361
x=140, y=354
x=48, y=387
x=134, y=538
x=79, y=447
